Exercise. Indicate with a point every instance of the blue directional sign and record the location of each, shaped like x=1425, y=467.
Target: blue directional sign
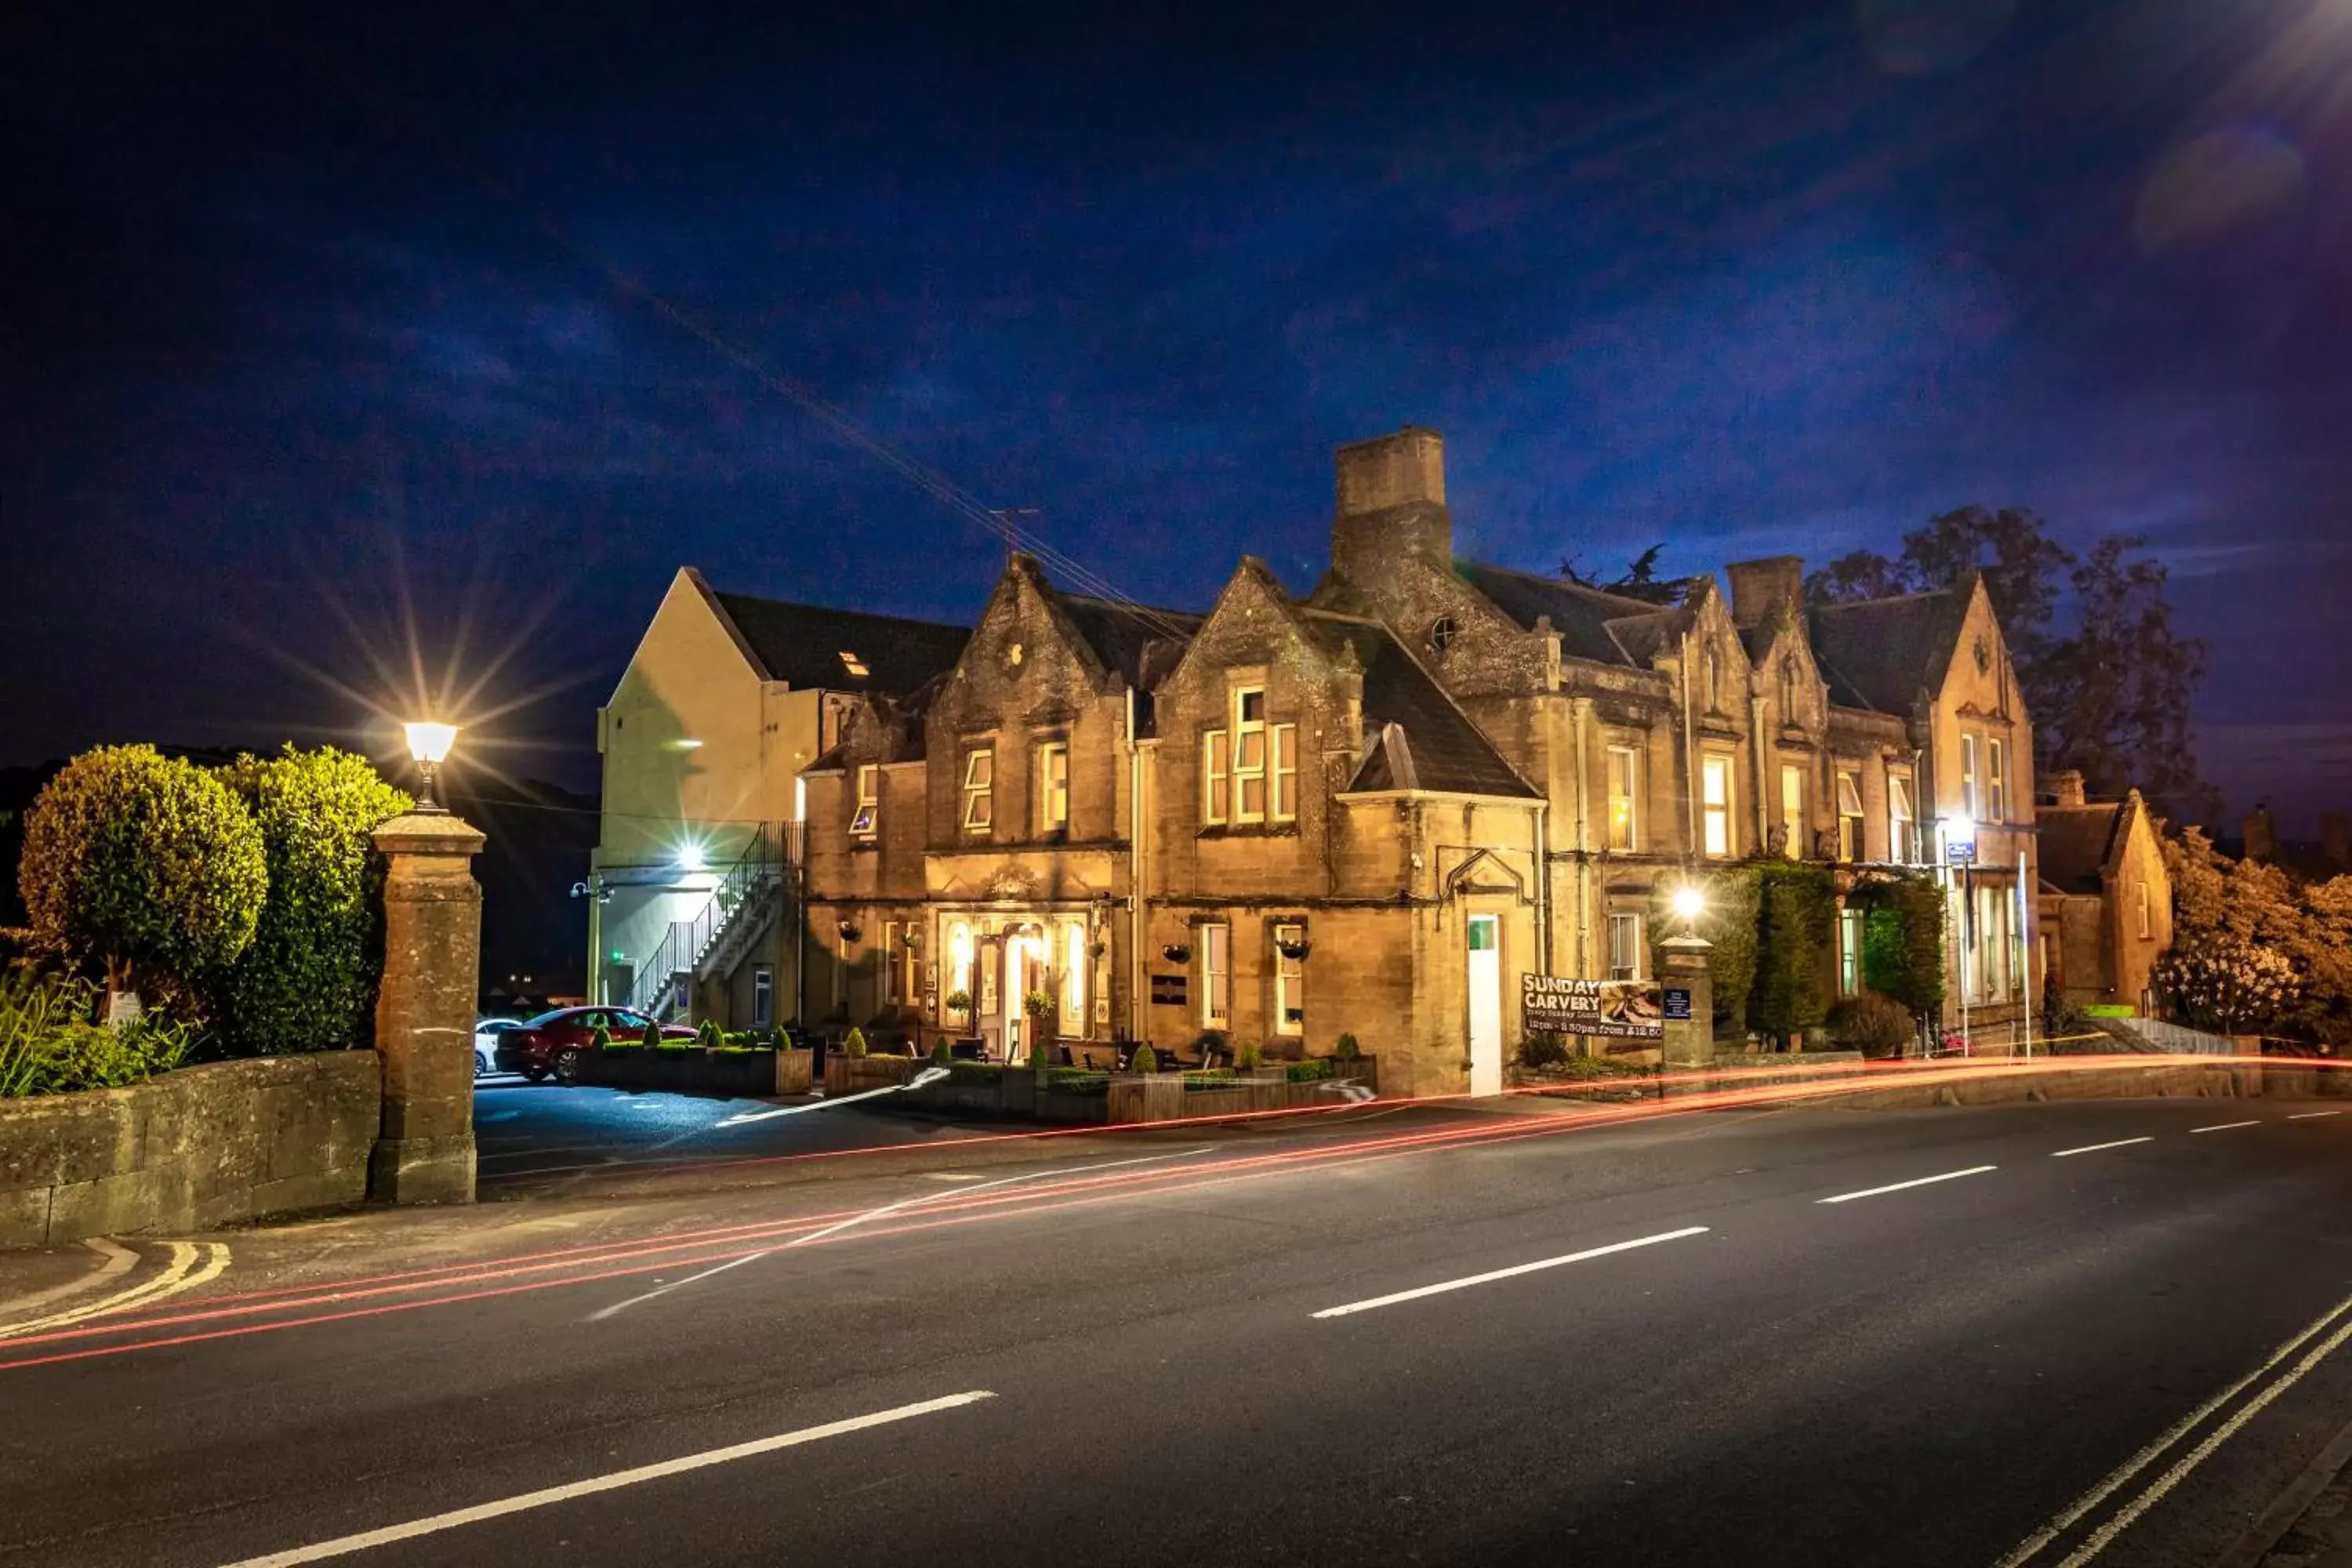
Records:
x=1677, y=1004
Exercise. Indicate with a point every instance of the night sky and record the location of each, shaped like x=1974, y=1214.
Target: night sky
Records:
x=309, y=350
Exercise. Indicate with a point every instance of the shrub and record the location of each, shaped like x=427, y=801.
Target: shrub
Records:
x=1077, y=1081
x=1542, y=1049
x=1903, y=940
x=941, y=1052
x=1249, y=1058
x=1796, y=918
x=1314, y=1069
x=650, y=1037
x=1146, y=1059
x=145, y=863
x=1578, y=1069
x=600, y=1039
x=48, y=1046
x=961, y=1002
x=1346, y=1049
x=854, y=1046
x=309, y=978
x=1874, y=1025
x=708, y=1036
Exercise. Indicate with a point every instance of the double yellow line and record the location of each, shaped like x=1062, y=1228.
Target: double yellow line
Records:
x=192, y=1263
x=2331, y=1329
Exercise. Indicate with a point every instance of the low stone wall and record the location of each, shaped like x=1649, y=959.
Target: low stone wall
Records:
x=697, y=1071
x=201, y=1147
x=855, y=1075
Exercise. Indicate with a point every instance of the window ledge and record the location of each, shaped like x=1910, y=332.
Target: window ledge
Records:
x=1249, y=830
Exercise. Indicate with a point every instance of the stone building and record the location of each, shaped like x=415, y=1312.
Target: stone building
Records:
x=2106, y=898
x=1371, y=807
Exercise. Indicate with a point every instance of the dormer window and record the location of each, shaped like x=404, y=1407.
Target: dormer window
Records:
x=854, y=665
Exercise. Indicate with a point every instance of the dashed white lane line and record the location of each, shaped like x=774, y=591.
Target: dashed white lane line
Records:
x=2307, y=1115
x=1904, y=1186
x=2225, y=1126
x=344, y=1545
x=1511, y=1273
x=2095, y=1148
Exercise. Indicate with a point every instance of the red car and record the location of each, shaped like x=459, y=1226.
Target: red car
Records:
x=551, y=1043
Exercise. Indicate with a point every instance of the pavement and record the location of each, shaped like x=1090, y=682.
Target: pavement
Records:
x=2038, y=1334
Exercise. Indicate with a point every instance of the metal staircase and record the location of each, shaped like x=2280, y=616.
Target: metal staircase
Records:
x=742, y=907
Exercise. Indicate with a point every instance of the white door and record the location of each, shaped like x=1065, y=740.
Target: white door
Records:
x=1486, y=1004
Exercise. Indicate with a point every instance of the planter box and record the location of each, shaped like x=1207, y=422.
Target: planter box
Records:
x=856, y=1075
x=744, y=1074
x=1163, y=1096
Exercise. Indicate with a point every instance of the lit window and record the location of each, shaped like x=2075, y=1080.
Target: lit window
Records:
x=1793, y=809
x=1849, y=788
x=854, y=665
x=1216, y=777
x=1289, y=980
x=1850, y=938
x=1053, y=786
x=1249, y=754
x=1216, y=976
x=979, y=790
x=1625, y=810
x=869, y=802
x=1715, y=803
x=1968, y=779
x=960, y=958
x=1073, y=977
x=763, y=996
x=1902, y=841
x=1625, y=947
x=2146, y=913
x=1286, y=772
x=1996, y=782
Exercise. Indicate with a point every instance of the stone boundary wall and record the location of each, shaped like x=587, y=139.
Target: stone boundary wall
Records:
x=201, y=1147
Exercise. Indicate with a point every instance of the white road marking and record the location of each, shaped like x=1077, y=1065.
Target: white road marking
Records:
x=344, y=1545
x=1915, y=1182
x=2307, y=1115
x=2224, y=1126
x=2095, y=1148
x=834, y=1229
x=1510, y=1273
x=2032, y=1545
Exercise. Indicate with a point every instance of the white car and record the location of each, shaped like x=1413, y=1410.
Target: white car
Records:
x=486, y=1043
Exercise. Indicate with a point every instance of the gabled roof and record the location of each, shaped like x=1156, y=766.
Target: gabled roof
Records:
x=811, y=646
x=2079, y=844
x=1586, y=618
x=1880, y=654
x=1141, y=642
x=1420, y=740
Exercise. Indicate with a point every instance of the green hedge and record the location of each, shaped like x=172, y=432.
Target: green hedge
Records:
x=47, y=1044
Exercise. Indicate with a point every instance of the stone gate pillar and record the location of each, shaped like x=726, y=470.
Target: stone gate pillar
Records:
x=1686, y=964
x=425, y=1012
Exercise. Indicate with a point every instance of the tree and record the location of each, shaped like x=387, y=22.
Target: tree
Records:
x=146, y=864
x=308, y=981
x=1902, y=941
x=1641, y=579
x=2230, y=985
x=2111, y=694
x=1795, y=909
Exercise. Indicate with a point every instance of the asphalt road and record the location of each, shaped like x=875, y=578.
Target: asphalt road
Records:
x=1227, y=1347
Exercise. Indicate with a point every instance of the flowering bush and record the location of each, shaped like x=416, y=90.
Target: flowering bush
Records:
x=2230, y=984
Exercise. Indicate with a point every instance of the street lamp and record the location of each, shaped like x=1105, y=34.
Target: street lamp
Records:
x=429, y=744
x=1689, y=902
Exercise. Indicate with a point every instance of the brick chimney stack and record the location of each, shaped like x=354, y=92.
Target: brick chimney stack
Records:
x=2065, y=788
x=1391, y=502
x=2261, y=833
x=1759, y=588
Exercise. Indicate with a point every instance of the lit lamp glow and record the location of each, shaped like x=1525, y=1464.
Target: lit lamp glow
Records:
x=1689, y=903
x=1959, y=829
x=429, y=744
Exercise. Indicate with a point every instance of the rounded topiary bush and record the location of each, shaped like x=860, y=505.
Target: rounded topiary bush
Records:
x=309, y=979
x=1146, y=1059
x=651, y=1038
x=1346, y=1049
x=145, y=863
x=1874, y=1025
x=855, y=1046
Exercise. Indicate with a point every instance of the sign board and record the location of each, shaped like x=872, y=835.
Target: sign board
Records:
x=1960, y=852
x=1168, y=989
x=1609, y=1009
x=1677, y=1004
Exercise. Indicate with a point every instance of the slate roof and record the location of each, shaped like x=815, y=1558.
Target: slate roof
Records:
x=1588, y=620
x=1141, y=642
x=1419, y=739
x=802, y=645
x=2075, y=842
x=1880, y=654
